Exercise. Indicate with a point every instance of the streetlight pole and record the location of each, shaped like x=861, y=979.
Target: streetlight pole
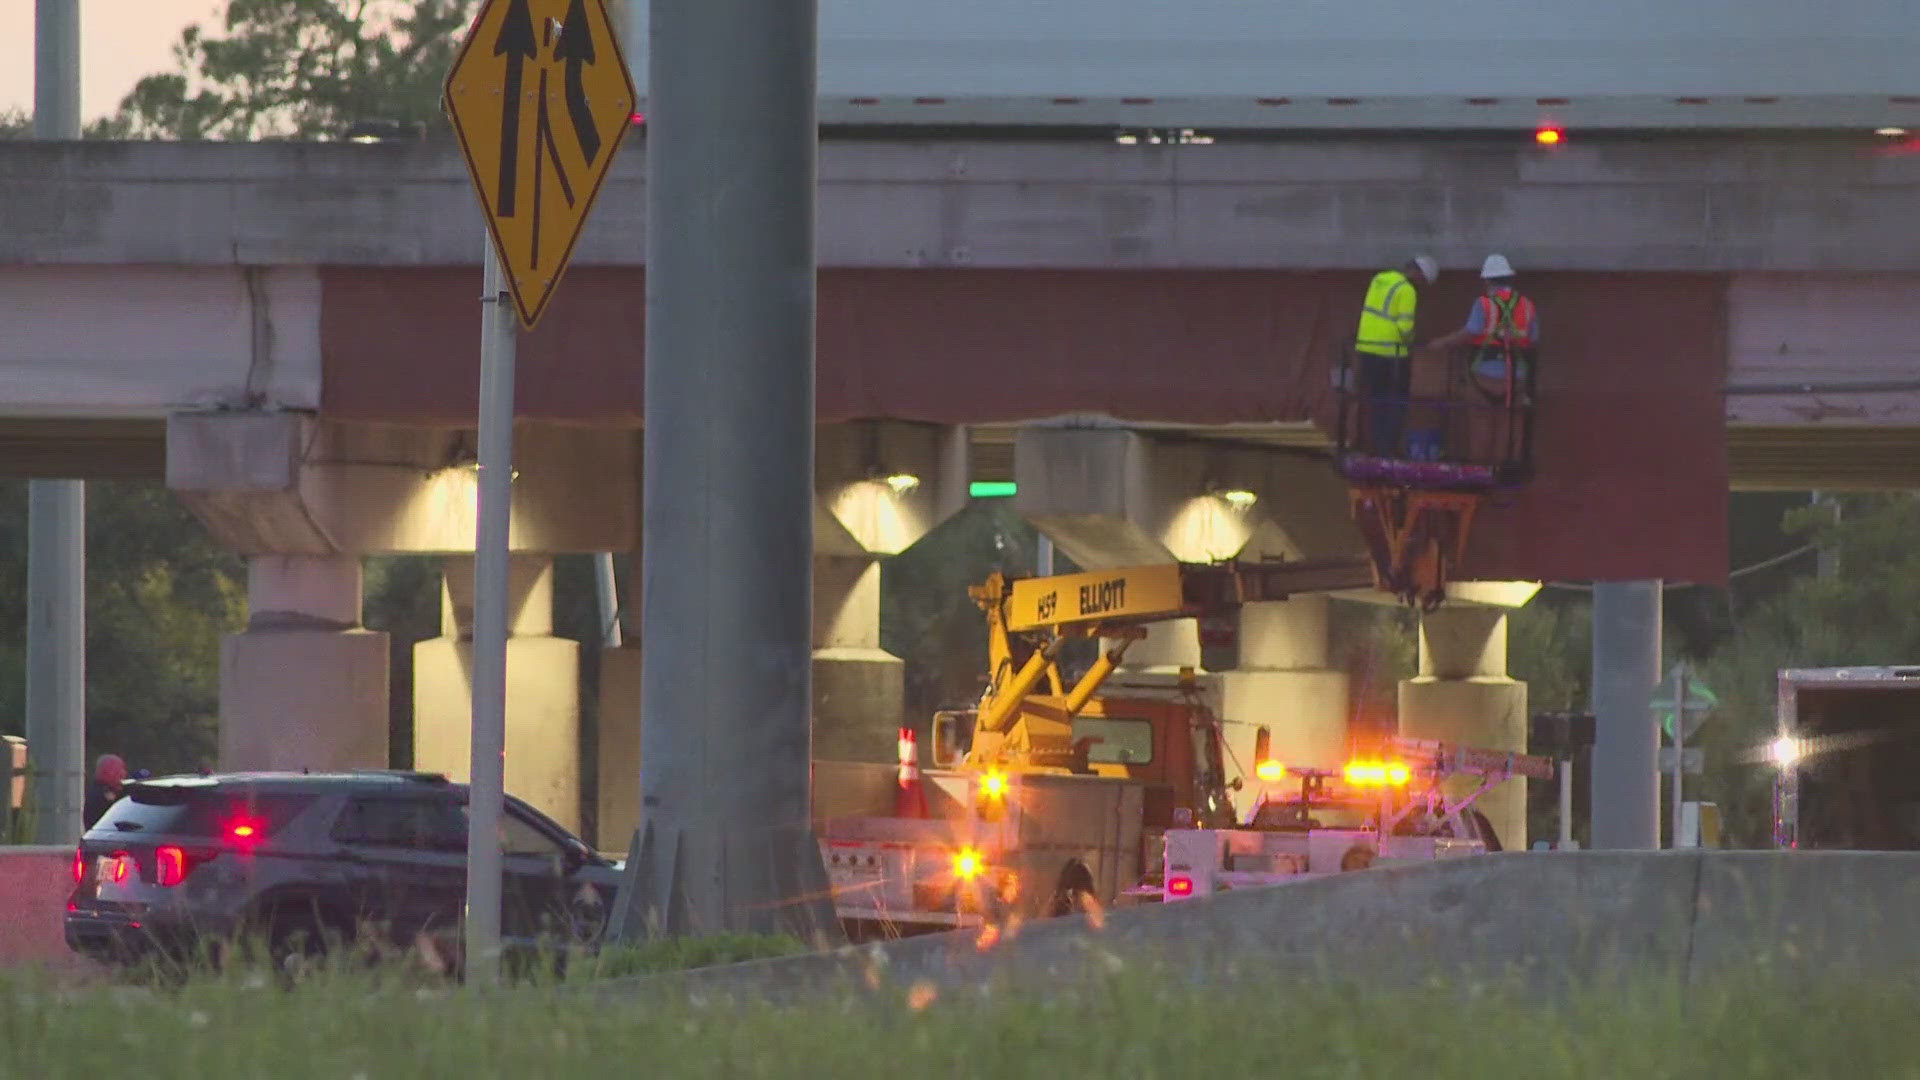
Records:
x=56, y=517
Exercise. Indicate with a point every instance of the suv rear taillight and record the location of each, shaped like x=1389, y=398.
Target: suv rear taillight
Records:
x=79, y=866
x=169, y=865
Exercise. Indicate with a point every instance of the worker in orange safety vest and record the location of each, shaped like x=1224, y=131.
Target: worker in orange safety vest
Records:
x=1503, y=327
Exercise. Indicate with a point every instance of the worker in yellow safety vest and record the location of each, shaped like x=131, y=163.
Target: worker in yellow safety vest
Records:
x=1383, y=347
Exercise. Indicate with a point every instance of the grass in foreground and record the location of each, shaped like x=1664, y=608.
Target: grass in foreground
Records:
x=341, y=1026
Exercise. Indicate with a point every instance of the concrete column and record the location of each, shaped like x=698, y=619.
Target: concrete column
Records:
x=617, y=813
x=305, y=685
x=1280, y=681
x=543, y=690
x=879, y=487
x=859, y=689
x=1168, y=647
x=1283, y=683
x=1463, y=695
x=1626, y=746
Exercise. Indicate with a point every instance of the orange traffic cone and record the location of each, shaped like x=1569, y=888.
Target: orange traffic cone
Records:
x=910, y=799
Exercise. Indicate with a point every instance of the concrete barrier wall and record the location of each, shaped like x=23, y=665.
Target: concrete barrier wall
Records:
x=1551, y=920
x=34, y=884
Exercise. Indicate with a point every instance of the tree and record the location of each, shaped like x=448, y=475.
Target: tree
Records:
x=16, y=123
x=160, y=595
x=303, y=69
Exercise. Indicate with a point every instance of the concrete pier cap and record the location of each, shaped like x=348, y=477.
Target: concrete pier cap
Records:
x=274, y=482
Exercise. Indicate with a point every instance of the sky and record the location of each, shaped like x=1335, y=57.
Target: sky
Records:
x=120, y=41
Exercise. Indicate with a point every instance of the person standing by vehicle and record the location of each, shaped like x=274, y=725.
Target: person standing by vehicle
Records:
x=109, y=778
x=1383, y=346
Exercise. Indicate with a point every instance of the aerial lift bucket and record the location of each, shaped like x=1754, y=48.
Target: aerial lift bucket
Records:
x=1415, y=507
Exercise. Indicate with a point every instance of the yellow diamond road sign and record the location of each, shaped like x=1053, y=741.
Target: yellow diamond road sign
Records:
x=539, y=97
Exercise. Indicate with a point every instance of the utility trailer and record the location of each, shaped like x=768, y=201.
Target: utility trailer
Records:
x=1361, y=817
x=1846, y=759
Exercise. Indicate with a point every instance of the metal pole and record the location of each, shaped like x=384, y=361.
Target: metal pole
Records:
x=56, y=518
x=499, y=337
x=1786, y=806
x=56, y=69
x=725, y=839
x=609, y=598
x=1626, y=748
x=1679, y=746
x=1566, y=805
x=1827, y=559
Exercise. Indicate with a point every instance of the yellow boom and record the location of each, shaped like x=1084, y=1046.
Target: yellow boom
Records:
x=1028, y=619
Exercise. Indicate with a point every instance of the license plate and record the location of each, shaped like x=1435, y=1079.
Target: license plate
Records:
x=103, y=871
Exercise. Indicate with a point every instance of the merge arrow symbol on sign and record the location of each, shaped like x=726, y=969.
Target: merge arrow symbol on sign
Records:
x=516, y=42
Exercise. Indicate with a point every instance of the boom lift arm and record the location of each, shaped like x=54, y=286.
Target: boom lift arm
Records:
x=1029, y=619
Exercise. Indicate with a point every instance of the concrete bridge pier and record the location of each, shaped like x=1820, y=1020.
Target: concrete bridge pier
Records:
x=543, y=690
x=305, y=685
x=880, y=486
x=1464, y=695
x=1108, y=497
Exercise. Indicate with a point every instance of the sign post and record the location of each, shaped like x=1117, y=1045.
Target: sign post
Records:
x=539, y=97
x=1682, y=702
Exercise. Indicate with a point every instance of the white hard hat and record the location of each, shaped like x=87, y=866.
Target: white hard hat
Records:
x=1428, y=268
x=1496, y=266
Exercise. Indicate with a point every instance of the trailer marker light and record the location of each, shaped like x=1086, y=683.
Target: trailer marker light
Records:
x=1549, y=136
x=1270, y=772
x=1180, y=886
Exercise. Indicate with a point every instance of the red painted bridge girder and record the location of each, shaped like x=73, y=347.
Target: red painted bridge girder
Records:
x=1631, y=453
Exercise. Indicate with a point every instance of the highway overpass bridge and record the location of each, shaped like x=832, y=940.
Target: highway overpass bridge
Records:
x=287, y=333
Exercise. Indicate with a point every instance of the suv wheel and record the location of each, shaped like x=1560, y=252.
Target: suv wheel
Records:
x=299, y=935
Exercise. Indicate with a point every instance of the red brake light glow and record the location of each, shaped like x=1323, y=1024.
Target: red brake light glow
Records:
x=79, y=866
x=121, y=866
x=169, y=866
x=1180, y=886
x=1549, y=136
x=245, y=830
